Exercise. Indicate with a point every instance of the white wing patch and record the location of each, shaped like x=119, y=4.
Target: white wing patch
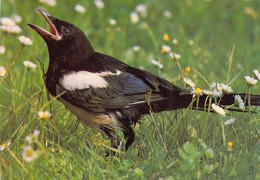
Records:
x=84, y=79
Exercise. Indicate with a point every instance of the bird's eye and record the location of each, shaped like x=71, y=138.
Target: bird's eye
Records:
x=65, y=31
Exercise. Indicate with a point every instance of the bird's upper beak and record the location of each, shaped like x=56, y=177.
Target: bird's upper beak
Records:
x=53, y=34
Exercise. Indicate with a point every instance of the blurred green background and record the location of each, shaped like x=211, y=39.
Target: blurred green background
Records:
x=205, y=32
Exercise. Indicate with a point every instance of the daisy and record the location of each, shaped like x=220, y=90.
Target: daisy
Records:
x=25, y=40
x=250, y=81
x=226, y=88
x=197, y=92
x=134, y=17
x=189, y=82
x=99, y=3
x=44, y=114
x=80, y=8
x=257, y=73
x=167, y=14
x=239, y=101
x=7, y=21
x=175, y=55
x=157, y=63
x=32, y=136
x=49, y=2
x=29, y=65
x=15, y=29
x=141, y=8
x=229, y=121
x=165, y=49
x=16, y=18
x=215, y=85
x=29, y=154
x=213, y=93
x=4, y=145
x=112, y=21
x=2, y=49
x=136, y=48
x=5, y=28
x=218, y=109
x=2, y=71
x=175, y=41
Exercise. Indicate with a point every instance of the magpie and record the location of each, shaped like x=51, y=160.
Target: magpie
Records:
x=104, y=92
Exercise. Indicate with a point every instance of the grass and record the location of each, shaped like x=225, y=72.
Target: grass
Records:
x=182, y=144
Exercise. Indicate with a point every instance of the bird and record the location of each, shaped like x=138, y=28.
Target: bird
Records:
x=105, y=93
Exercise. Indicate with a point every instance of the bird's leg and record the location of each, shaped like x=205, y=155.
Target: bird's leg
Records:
x=129, y=136
x=115, y=141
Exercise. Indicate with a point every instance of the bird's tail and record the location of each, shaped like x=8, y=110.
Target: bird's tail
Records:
x=186, y=100
x=240, y=101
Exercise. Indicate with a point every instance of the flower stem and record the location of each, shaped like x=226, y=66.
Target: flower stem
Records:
x=9, y=67
x=17, y=160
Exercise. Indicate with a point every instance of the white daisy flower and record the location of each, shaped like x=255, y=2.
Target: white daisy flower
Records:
x=4, y=145
x=157, y=63
x=165, y=49
x=257, y=73
x=229, y=121
x=29, y=154
x=167, y=14
x=35, y=134
x=189, y=82
x=15, y=29
x=175, y=41
x=112, y=21
x=215, y=85
x=134, y=17
x=25, y=40
x=141, y=8
x=16, y=18
x=226, y=88
x=239, y=101
x=218, y=109
x=44, y=114
x=175, y=55
x=2, y=49
x=80, y=8
x=7, y=21
x=250, y=81
x=5, y=28
x=29, y=65
x=213, y=93
x=99, y=3
x=136, y=48
x=197, y=92
x=49, y=2
x=2, y=71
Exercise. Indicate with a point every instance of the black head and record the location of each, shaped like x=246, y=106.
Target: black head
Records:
x=64, y=40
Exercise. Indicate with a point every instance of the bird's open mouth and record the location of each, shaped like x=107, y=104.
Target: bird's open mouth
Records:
x=53, y=34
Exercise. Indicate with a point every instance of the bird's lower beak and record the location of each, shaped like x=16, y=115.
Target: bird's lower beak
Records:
x=53, y=34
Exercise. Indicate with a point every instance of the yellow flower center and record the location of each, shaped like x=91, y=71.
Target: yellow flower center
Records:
x=198, y=90
x=166, y=37
x=29, y=152
x=44, y=115
x=4, y=145
x=163, y=50
x=187, y=70
x=229, y=146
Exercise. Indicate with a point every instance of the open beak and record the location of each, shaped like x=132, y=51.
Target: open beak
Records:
x=53, y=34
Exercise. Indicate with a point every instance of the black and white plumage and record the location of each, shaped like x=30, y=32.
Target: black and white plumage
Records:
x=102, y=91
